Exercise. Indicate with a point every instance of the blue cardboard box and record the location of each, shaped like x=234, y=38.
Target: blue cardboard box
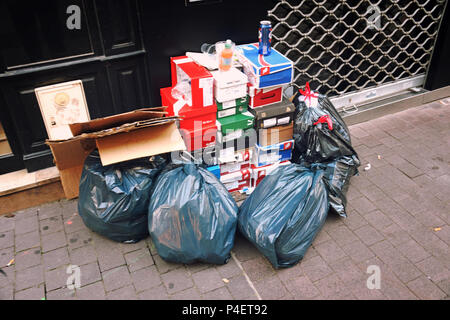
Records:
x=265, y=71
x=215, y=170
x=279, y=152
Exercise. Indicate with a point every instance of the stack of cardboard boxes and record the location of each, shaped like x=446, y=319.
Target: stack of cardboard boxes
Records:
x=273, y=113
x=233, y=124
x=198, y=113
x=240, y=116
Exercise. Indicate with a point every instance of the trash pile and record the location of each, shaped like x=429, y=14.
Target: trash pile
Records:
x=229, y=124
x=234, y=115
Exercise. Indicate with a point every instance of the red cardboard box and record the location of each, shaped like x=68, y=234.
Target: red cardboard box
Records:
x=230, y=155
x=231, y=161
x=201, y=80
x=264, y=97
x=199, y=138
x=258, y=173
x=191, y=118
x=236, y=181
x=231, y=167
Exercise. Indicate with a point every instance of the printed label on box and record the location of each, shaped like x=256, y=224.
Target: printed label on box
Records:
x=229, y=104
x=269, y=157
x=226, y=113
x=231, y=167
x=270, y=122
x=284, y=120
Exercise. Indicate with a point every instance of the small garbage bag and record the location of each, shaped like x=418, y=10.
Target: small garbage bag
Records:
x=285, y=212
x=320, y=133
x=191, y=216
x=337, y=179
x=113, y=199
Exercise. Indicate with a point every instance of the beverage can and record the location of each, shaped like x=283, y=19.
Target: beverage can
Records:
x=265, y=37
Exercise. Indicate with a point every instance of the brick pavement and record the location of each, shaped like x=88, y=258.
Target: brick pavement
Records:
x=398, y=219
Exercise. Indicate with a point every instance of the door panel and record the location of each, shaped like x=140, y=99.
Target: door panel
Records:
x=5, y=148
x=129, y=84
x=10, y=161
x=36, y=32
x=119, y=23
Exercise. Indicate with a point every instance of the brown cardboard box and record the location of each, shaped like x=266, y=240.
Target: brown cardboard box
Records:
x=122, y=137
x=274, y=135
x=278, y=114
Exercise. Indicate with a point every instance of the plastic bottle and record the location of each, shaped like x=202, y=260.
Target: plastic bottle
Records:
x=226, y=57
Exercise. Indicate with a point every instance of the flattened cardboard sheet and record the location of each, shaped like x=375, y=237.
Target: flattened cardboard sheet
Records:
x=141, y=143
x=122, y=137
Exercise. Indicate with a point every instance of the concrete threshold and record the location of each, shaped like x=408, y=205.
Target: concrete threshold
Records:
x=21, y=189
x=392, y=104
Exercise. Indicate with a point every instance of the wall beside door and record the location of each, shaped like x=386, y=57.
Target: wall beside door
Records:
x=171, y=28
x=38, y=49
x=439, y=70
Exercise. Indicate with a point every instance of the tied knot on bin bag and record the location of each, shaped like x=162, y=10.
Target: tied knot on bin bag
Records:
x=308, y=94
x=325, y=119
x=322, y=137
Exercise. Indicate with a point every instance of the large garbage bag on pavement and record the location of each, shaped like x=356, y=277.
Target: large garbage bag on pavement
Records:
x=113, y=199
x=285, y=212
x=191, y=216
x=337, y=179
x=320, y=133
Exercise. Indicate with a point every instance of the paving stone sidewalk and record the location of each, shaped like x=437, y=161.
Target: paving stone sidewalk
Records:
x=398, y=220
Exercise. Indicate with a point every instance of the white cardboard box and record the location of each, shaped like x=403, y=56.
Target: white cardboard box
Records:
x=229, y=85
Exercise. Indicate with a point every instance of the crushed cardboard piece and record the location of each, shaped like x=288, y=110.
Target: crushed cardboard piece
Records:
x=136, y=144
x=122, y=137
x=116, y=120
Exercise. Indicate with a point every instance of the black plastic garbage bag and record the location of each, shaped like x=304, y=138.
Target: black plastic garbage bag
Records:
x=337, y=179
x=285, y=212
x=320, y=133
x=191, y=216
x=113, y=199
